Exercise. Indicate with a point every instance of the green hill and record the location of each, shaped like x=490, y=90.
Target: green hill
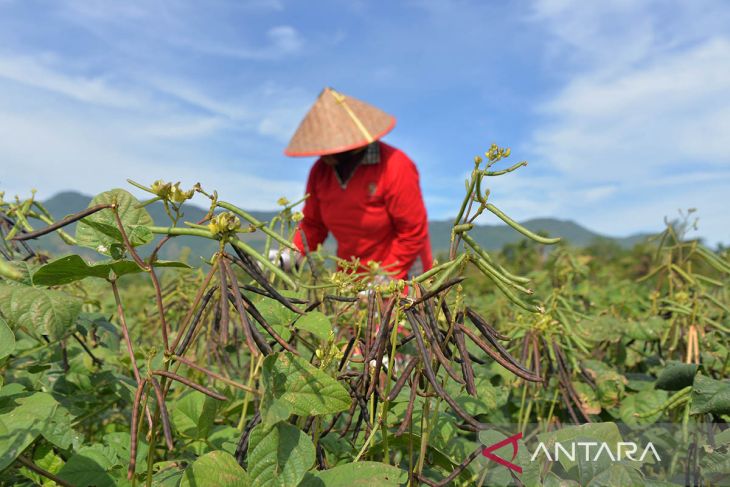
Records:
x=496, y=236
x=492, y=237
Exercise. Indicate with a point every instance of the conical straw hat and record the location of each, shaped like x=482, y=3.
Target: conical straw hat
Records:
x=338, y=123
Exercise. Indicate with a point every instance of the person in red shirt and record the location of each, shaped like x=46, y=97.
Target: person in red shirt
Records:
x=364, y=191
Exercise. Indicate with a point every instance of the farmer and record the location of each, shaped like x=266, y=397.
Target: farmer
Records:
x=364, y=191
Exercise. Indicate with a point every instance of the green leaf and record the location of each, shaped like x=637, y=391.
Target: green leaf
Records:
x=484, y=402
x=215, y=469
x=710, y=396
x=646, y=330
x=436, y=456
x=33, y=416
x=277, y=315
x=360, y=474
x=610, y=387
x=90, y=467
x=7, y=339
x=604, y=328
x=598, y=432
x=552, y=480
x=224, y=438
x=499, y=474
x=640, y=403
x=45, y=458
x=119, y=443
x=279, y=456
x=307, y=390
x=41, y=311
x=194, y=413
x=587, y=397
x=715, y=467
x=57, y=429
x=279, y=410
x=723, y=438
x=73, y=268
x=23, y=268
x=316, y=323
x=100, y=232
x=676, y=376
x=168, y=476
x=618, y=475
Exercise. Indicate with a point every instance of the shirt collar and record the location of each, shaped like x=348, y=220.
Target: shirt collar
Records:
x=369, y=158
x=372, y=154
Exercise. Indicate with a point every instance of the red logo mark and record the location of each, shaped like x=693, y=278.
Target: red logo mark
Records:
x=487, y=452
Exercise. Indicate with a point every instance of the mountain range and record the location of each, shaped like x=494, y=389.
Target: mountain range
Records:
x=492, y=237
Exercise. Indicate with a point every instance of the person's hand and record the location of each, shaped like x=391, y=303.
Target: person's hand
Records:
x=286, y=259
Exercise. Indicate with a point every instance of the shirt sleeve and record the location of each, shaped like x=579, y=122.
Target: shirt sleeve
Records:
x=311, y=228
x=407, y=211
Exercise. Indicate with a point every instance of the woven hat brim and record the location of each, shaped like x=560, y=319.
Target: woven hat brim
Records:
x=338, y=123
x=345, y=148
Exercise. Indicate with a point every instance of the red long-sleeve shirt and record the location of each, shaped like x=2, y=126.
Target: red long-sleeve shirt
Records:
x=377, y=215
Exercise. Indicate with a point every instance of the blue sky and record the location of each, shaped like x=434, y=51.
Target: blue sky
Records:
x=622, y=108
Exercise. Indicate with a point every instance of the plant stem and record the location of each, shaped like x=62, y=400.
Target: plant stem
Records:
x=125, y=331
x=255, y=222
x=35, y=468
x=424, y=435
x=253, y=370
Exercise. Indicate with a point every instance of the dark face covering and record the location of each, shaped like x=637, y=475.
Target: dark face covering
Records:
x=345, y=162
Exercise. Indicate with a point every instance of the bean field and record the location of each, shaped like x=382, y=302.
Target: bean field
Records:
x=225, y=370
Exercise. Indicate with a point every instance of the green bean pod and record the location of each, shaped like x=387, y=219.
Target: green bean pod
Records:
x=447, y=273
x=462, y=228
x=652, y=273
x=683, y=274
x=681, y=311
x=487, y=258
x=505, y=290
x=496, y=274
x=716, y=302
x=708, y=280
x=504, y=171
x=436, y=269
x=675, y=400
x=20, y=221
x=524, y=231
x=197, y=232
x=9, y=272
x=713, y=260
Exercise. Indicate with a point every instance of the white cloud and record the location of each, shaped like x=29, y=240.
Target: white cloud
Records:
x=642, y=121
x=672, y=112
x=194, y=96
x=183, y=127
x=285, y=39
x=61, y=131
x=70, y=152
x=282, y=41
x=269, y=110
x=34, y=72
